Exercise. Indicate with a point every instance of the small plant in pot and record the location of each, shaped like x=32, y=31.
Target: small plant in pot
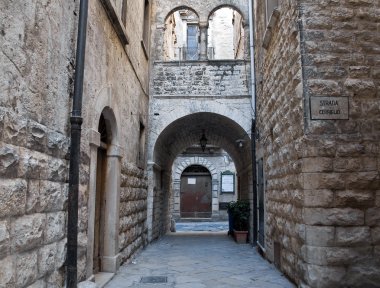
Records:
x=239, y=213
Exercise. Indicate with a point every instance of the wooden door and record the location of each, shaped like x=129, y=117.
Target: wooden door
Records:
x=196, y=196
x=99, y=210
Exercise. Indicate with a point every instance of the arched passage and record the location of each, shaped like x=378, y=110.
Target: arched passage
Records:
x=182, y=133
x=181, y=35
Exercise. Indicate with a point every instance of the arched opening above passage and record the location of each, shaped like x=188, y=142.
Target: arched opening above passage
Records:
x=226, y=39
x=181, y=35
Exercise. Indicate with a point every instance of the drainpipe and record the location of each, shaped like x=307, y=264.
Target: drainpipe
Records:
x=253, y=130
x=76, y=123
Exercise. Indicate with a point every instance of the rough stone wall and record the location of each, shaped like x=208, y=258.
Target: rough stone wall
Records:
x=133, y=203
x=321, y=176
x=116, y=78
x=161, y=204
x=341, y=169
x=159, y=228
x=36, y=58
x=280, y=127
x=217, y=78
x=37, y=41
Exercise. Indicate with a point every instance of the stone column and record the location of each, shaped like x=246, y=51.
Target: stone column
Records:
x=215, y=198
x=110, y=259
x=177, y=199
x=203, y=27
x=94, y=145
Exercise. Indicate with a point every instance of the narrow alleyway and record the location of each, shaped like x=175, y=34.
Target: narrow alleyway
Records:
x=198, y=260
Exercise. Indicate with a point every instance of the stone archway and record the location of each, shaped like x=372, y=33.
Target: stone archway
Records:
x=177, y=184
x=104, y=193
x=221, y=131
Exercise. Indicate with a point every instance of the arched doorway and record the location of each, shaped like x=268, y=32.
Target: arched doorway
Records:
x=104, y=197
x=100, y=198
x=196, y=192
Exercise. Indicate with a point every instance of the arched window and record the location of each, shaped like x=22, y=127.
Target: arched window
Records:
x=181, y=39
x=225, y=34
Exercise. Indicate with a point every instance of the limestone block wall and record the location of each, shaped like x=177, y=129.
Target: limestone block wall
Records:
x=116, y=81
x=37, y=42
x=133, y=203
x=321, y=176
x=280, y=128
x=36, y=58
x=194, y=78
x=341, y=169
x=161, y=205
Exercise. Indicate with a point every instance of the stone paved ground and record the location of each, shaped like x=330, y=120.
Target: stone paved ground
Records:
x=202, y=226
x=199, y=260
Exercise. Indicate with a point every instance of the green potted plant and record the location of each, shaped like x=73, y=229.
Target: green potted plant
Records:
x=239, y=215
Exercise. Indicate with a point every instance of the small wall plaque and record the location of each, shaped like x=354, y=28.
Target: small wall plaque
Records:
x=329, y=108
x=228, y=182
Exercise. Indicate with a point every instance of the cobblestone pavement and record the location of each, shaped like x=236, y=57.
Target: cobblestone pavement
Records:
x=198, y=260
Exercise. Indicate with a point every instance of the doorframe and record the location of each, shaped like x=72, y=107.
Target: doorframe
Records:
x=111, y=258
x=177, y=185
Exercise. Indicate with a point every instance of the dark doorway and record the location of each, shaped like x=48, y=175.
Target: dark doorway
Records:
x=196, y=193
x=100, y=197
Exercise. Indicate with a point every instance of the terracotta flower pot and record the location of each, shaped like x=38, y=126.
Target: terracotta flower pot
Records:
x=241, y=236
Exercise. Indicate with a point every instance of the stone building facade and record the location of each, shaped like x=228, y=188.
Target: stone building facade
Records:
x=37, y=41
x=317, y=132
x=194, y=96
x=317, y=83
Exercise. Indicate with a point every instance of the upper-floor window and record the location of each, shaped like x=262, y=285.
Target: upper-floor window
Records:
x=146, y=25
x=117, y=12
x=270, y=5
x=181, y=38
x=124, y=12
x=225, y=34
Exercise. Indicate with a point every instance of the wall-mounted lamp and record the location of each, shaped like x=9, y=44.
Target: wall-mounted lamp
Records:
x=240, y=143
x=203, y=141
